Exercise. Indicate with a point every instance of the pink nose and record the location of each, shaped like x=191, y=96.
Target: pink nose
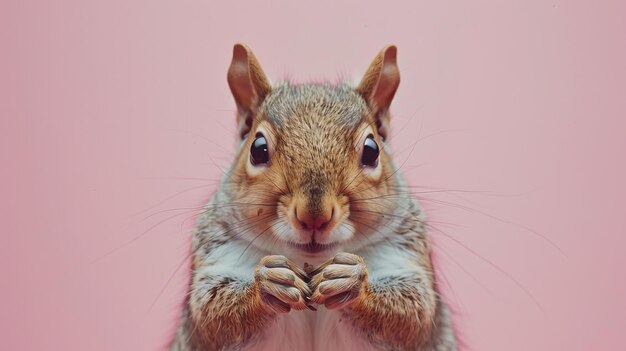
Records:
x=316, y=221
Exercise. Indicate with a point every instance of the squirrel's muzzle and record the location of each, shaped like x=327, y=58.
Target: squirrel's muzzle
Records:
x=314, y=213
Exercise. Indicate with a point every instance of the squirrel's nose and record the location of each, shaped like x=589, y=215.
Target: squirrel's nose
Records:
x=314, y=221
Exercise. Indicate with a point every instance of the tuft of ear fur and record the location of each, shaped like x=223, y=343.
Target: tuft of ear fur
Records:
x=379, y=85
x=248, y=84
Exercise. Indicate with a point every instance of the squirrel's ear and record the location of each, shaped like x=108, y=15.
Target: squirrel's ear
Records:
x=248, y=85
x=379, y=85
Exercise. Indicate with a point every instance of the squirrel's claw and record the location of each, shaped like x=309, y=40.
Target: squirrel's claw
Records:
x=338, y=281
x=282, y=284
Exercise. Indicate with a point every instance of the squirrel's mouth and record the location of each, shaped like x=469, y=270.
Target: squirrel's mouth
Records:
x=314, y=247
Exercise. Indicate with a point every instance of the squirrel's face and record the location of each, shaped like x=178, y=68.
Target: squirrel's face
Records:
x=312, y=161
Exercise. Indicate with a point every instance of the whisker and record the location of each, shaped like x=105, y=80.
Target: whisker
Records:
x=250, y=243
x=202, y=137
x=501, y=220
x=172, y=275
x=458, y=264
x=129, y=242
x=493, y=265
x=168, y=198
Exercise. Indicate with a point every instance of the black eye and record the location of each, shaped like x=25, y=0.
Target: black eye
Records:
x=259, y=153
x=370, y=152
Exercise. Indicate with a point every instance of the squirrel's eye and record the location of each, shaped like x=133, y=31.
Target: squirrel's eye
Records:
x=370, y=152
x=259, y=153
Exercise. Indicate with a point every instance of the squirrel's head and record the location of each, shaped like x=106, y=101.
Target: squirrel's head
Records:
x=312, y=166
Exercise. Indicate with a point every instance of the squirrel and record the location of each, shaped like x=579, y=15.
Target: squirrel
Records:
x=312, y=240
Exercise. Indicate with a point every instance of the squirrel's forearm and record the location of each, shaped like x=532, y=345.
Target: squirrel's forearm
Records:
x=225, y=311
x=396, y=311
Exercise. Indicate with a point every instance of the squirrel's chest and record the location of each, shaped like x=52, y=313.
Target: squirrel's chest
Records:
x=311, y=331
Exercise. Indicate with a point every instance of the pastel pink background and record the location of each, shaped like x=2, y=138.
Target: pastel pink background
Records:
x=116, y=117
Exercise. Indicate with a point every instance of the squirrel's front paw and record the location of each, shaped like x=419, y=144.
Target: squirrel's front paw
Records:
x=282, y=284
x=338, y=281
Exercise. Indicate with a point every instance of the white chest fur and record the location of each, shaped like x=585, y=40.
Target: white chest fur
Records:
x=311, y=331
x=325, y=329
x=307, y=330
